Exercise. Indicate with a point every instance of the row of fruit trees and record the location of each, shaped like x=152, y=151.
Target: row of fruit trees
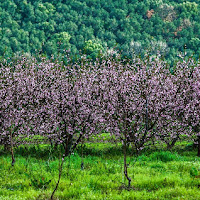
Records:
x=136, y=103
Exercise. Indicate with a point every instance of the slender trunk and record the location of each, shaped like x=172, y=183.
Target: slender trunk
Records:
x=11, y=149
x=68, y=144
x=137, y=149
x=51, y=142
x=147, y=120
x=55, y=146
x=198, y=154
x=59, y=177
x=125, y=166
x=169, y=146
x=82, y=163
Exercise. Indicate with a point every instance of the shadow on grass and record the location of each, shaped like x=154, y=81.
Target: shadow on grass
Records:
x=159, y=152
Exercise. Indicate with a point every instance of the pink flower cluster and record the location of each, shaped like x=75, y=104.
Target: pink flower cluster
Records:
x=135, y=103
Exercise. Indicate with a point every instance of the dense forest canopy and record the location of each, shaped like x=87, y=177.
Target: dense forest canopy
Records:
x=100, y=26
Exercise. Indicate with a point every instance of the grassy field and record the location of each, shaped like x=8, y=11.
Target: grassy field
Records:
x=156, y=174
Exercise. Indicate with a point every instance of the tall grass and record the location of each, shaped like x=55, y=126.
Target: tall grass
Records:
x=155, y=174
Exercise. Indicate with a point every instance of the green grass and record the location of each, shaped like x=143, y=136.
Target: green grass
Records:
x=156, y=175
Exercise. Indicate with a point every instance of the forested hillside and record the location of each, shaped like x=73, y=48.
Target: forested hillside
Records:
x=94, y=26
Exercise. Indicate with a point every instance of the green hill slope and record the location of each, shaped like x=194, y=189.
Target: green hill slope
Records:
x=53, y=26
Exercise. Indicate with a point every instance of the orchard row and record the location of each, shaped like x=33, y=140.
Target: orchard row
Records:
x=136, y=103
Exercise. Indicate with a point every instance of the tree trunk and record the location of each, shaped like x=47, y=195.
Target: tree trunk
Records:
x=68, y=144
x=198, y=146
x=170, y=146
x=125, y=166
x=11, y=149
x=55, y=148
x=59, y=177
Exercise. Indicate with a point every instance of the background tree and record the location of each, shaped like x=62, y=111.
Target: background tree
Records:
x=93, y=49
x=109, y=22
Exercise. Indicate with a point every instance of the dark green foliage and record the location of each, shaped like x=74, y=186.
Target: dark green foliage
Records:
x=193, y=172
x=128, y=26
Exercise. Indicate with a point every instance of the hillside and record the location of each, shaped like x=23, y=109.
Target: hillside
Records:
x=52, y=26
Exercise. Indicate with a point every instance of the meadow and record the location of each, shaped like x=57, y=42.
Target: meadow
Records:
x=95, y=171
